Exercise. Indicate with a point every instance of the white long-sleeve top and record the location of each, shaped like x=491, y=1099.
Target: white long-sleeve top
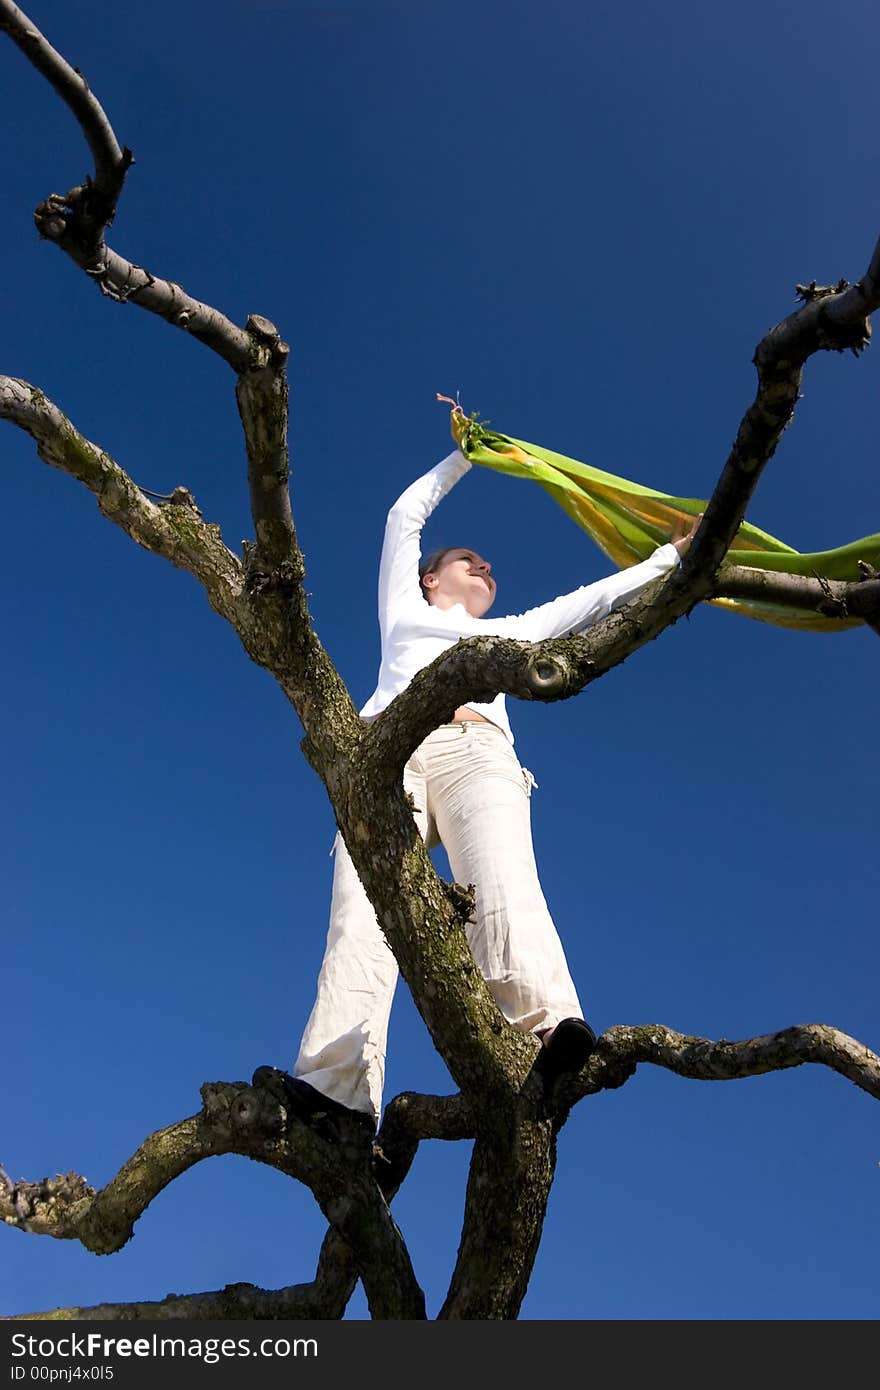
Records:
x=414, y=632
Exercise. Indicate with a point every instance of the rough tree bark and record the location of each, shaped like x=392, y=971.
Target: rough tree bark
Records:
x=502, y=1103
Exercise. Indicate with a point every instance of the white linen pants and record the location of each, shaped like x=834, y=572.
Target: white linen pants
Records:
x=471, y=794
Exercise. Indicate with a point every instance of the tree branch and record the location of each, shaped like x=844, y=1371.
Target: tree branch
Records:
x=844, y=307
x=300, y=1302
x=272, y=623
x=235, y=1118
x=622, y=1048
x=174, y=530
x=409, y=1118
x=509, y=1181
x=832, y=597
x=423, y=919
x=263, y=402
x=75, y=221
x=111, y=162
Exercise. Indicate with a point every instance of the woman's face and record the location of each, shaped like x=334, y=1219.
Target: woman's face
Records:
x=464, y=577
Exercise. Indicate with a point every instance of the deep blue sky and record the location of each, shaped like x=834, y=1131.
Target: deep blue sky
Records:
x=584, y=218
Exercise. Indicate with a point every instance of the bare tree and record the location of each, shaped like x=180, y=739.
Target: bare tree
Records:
x=502, y=1103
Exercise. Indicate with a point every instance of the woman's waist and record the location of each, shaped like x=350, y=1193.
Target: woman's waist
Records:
x=489, y=718
x=464, y=715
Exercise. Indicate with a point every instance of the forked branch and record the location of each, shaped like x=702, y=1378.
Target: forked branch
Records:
x=238, y=1119
x=76, y=222
x=235, y=1118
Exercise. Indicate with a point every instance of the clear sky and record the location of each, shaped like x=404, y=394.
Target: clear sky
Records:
x=583, y=217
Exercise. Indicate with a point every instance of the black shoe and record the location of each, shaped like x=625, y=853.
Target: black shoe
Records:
x=571, y=1043
x=308, y=1104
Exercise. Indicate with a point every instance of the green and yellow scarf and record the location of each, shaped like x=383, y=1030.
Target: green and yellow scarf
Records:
x=628, y=521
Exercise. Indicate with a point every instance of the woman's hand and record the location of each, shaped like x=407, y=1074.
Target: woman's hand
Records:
x=684, y=531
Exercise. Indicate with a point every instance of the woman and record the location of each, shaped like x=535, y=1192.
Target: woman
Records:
x=470, y=794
